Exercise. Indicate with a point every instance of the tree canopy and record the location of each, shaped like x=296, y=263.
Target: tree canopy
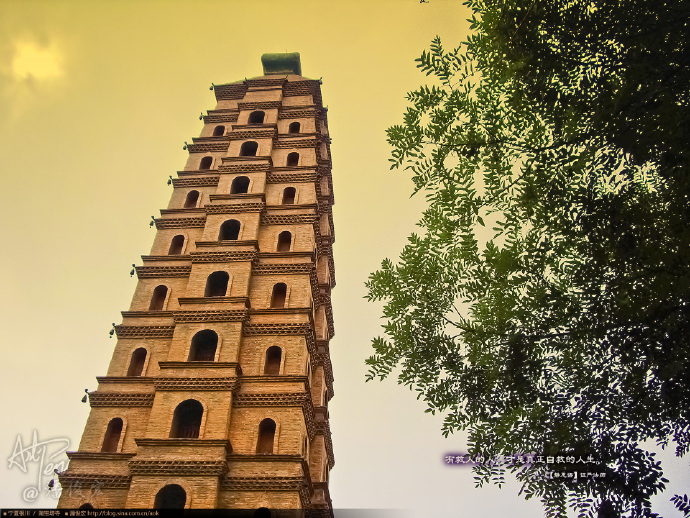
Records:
x=544, y=306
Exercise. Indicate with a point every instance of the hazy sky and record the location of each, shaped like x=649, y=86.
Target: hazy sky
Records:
x=96, y=100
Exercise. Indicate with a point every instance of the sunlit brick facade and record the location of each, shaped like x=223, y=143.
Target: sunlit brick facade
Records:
x=217, y=392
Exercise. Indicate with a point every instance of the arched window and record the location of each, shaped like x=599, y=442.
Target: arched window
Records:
x=289, y=195
x=240, y=185
x=136, y=363
x=272, y=364
x=256, y=117
x=249, y=148
x=267, y=431
x=284, y=241
x=187, y=420
x=229, y=230
x=218, y=131
x=294, y=127
x=204, y=345
x=278, y=295
x=112, y=436
x=171, y=496
x=217, y=284
x=86, y=506
x=158, y=298
x=206, y=162
x=176, y=245
x=292, y=159
x=191, y=200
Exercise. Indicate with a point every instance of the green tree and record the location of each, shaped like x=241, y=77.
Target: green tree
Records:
x=545, y=305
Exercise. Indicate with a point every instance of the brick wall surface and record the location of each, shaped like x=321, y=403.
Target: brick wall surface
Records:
x=256, y=499
x=256, y=182
x=305, y=193
x=201, y=491
x=122, y=355
x=249, y=225
x=99, y=498
x=161, y=243
x=307, y=156
x=298, y=100
x=253, y=354
x=302, y=237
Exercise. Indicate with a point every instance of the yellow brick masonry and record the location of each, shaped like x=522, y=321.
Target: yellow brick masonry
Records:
x=221, y=467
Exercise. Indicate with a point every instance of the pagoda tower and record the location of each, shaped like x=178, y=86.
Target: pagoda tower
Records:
x=217, y=392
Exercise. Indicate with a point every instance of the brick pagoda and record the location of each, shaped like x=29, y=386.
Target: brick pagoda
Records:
x=217, y=392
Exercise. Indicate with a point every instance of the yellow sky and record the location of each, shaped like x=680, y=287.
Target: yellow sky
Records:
x=30, y=60
x=96, y=100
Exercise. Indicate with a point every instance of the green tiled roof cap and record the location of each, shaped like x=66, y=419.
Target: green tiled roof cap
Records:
x=283, y=63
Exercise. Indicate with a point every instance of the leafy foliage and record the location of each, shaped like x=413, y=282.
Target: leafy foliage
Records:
x=682, y=504
x=545, y=306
